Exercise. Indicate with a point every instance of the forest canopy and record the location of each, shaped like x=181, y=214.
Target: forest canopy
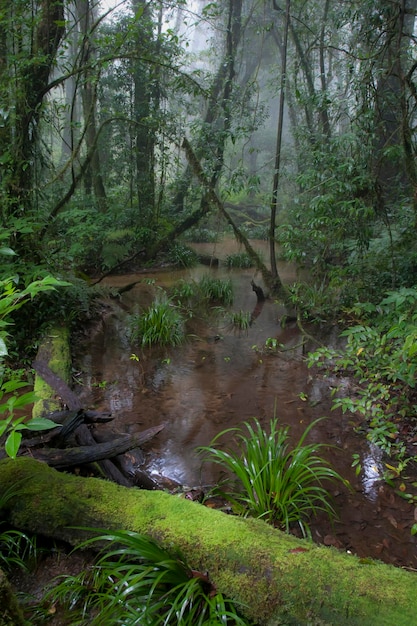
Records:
x=129, y=128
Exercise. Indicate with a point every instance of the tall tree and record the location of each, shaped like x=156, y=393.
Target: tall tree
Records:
x=30, y=36
x=93, y=176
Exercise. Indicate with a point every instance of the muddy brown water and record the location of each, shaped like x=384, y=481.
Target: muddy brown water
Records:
x=221, y=378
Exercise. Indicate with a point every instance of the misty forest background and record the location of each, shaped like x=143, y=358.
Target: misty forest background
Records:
x=128, y=129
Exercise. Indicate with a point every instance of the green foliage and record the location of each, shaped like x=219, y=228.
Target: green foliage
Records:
x=317, y=302
x=182, y=256
x=202, y=235
x=12, y=299
x=11, y=426
x=160, y=324
x=216, y=290
x=17, y=549
x=283, y=485
x=135, y=581
x=185, y=292
x=240, y=320
x=240, y=260
x=380, y=353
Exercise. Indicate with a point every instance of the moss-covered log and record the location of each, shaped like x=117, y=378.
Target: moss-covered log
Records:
x=278, y=578
x=54, y=352
x=10, y=613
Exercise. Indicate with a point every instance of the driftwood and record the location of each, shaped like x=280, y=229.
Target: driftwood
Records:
x=89, y=451
x=84, y=437
x=70, y=457
x=275, y=578
x=129, y=463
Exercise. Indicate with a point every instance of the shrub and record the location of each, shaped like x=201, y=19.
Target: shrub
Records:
x=380, y=353
x=135, y=581
x=271, y=480
x=182, y=256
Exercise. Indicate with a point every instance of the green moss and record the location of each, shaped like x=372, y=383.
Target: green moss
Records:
x=10, y=613
x=278, y=578
x=54, y=351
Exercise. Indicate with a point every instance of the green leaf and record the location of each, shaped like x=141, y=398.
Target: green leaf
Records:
x=7, y=252
x=40, y=423
x=12, y=385
x=3, y=426
x=3, y=348
x=13, y=444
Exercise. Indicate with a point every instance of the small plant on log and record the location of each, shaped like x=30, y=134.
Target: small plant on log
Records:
x=136, y=581
x=161, y=324
x=271, y=480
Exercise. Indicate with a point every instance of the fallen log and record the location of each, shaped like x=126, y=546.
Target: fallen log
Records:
x=10, y=612
x=277, y=578
x=70, y=457
x=54, y=353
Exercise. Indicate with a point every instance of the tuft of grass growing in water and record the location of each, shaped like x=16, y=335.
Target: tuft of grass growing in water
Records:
x=160, y=324
x=135, y=581
x=216, y=290
x=240, y=320
x=270, y=479
x=184, y=293
x=240, y=260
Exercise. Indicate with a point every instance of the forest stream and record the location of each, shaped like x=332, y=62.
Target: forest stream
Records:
x=221, y=378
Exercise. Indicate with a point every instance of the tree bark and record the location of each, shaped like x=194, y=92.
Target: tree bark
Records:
x=277, y=578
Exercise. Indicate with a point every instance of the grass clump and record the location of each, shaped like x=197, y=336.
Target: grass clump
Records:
x=240, y=320
x=239, y=260
x=135, y=581
x=160, y=324
x=271, y=480
x=216, y=291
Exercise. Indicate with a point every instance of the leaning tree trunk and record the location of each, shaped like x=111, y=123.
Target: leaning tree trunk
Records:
x=277, y=578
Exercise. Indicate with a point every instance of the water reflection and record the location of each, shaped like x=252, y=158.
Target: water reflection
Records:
x=372, y=471
x=220, y=379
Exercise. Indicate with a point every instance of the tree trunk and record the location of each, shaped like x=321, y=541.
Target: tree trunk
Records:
x=273, y=283
x=275, y=186
x=93, y=177
x=24, y=83
x=277, y=578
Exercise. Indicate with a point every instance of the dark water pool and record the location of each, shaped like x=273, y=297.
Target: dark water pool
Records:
x=219, y=379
